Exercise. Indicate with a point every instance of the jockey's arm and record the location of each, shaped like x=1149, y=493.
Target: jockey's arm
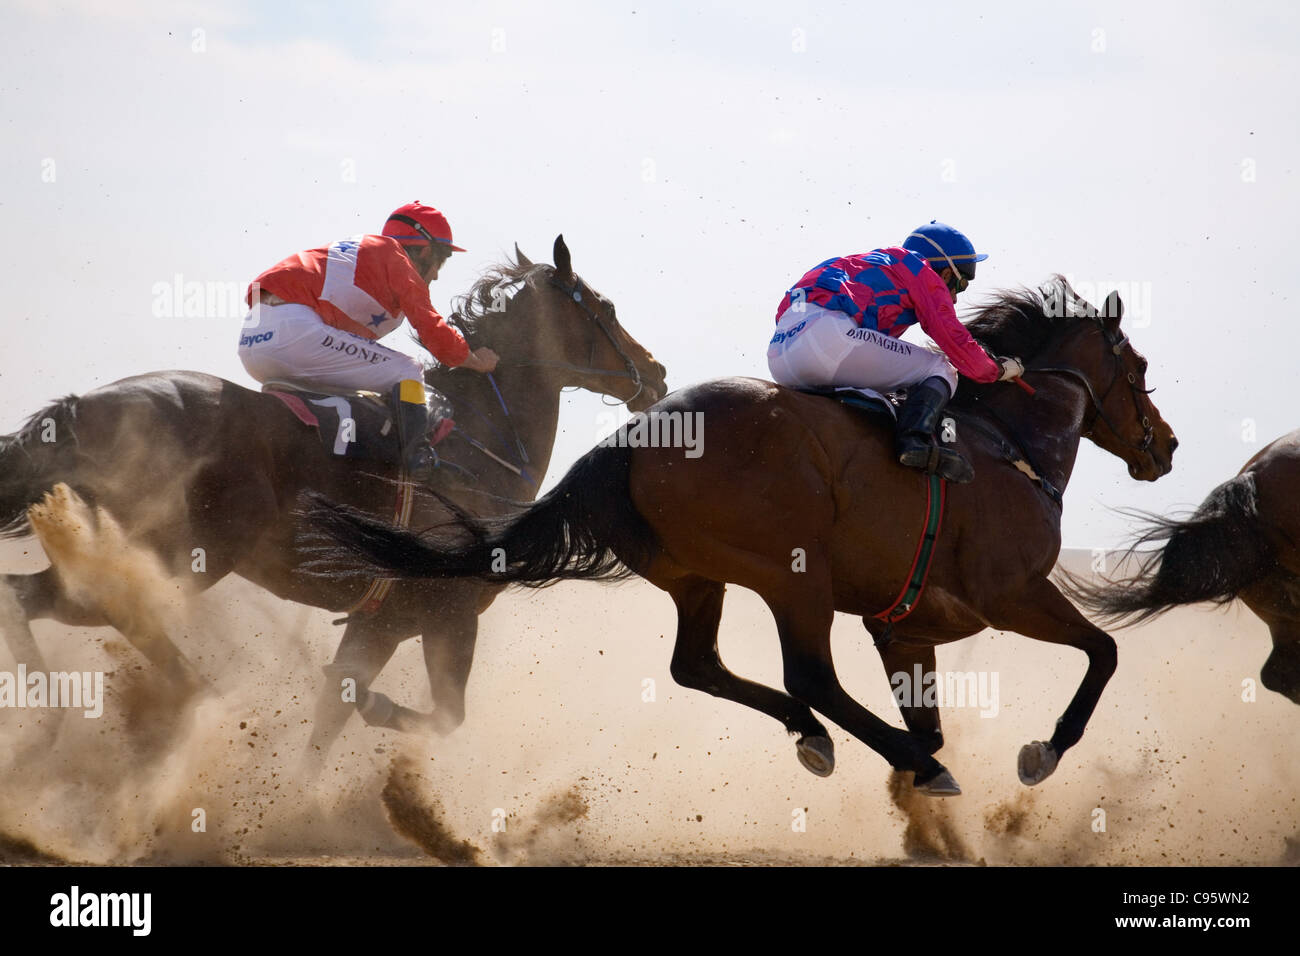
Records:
x=938, y=319
x=445, y=342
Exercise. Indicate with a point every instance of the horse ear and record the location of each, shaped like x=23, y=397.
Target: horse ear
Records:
x=1112, y=310
x=563, y=261
x=522, y=259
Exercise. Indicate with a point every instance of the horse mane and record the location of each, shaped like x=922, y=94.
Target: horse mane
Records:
x=472, y=309
x=1019, y=322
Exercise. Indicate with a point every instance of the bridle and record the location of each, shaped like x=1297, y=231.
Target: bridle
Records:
x=1117, y=346
x=630, y=370
x=1015, y=450
x=576, y=294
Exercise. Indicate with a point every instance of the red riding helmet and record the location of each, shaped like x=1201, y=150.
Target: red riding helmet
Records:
x=416, y=224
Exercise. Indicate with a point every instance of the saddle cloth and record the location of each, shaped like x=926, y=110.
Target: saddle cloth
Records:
x=357, y=424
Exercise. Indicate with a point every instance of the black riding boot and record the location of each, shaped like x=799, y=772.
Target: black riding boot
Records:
x=917, y=447
x=413, y=428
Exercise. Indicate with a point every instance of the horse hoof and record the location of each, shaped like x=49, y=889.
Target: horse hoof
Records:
x=442, y=722
x=1036, y=762
x=940, y=785
x=817, y=754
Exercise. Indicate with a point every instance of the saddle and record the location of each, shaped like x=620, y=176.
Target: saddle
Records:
x=879, y=405
x=884, y=409
x=356, y=424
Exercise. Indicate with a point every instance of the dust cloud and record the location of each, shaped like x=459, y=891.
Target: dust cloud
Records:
x=578, y=748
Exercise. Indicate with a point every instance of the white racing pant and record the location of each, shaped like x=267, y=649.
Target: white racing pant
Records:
x=818, y=348
x=290, y=343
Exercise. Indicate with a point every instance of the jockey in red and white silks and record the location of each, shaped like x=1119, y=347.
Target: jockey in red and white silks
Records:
x=318, y=315
x=320, y=312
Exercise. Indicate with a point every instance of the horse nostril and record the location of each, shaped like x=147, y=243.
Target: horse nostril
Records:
x=1173, y=444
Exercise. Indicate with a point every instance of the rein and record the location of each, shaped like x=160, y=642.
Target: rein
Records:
x=630, y=371
x=1117, y=347
x=1015, y=450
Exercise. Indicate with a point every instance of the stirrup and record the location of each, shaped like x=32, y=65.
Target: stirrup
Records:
x=957, y=470
x=944, y=462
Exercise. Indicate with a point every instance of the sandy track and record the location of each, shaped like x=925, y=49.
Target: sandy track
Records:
x=579, y=748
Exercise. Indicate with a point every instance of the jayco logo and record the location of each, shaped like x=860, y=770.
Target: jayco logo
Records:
x=254, y=339
x=788, y=333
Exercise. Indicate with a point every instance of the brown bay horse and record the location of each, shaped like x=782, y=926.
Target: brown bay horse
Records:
x=800, y=499
x=183, y=461
x=1242, y=543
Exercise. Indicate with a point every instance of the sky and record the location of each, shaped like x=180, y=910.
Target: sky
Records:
x=697, y=158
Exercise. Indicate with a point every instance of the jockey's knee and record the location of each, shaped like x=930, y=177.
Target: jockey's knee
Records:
x=408, y=368
x=944, y=372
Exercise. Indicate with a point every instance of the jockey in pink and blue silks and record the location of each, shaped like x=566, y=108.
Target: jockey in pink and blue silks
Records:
x=840, y=326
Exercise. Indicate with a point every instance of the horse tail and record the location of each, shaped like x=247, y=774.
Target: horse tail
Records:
x=1209, y=557
x=584, y=528
x=40, y=453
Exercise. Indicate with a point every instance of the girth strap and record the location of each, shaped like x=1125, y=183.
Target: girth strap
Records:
x=373, y=599
x=935, y=499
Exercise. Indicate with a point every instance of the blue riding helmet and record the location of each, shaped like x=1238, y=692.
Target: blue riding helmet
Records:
x=942, y=245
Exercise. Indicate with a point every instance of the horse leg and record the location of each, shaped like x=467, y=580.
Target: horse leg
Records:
x=361, y=655
x=1274, y=601
x=696, y=664
x=1041, y=612
x=27, y=597
x=803, y=620
x=448, y=655
x=1281, y=672
x=43, y=595
x=96, y=564
x=448, y=646
x=923, y=722
x=23, y=599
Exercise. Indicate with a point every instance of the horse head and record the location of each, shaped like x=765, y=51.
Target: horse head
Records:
x=571, y=329
x=1122, y=420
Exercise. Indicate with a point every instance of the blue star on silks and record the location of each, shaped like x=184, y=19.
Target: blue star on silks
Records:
x=379, y=319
